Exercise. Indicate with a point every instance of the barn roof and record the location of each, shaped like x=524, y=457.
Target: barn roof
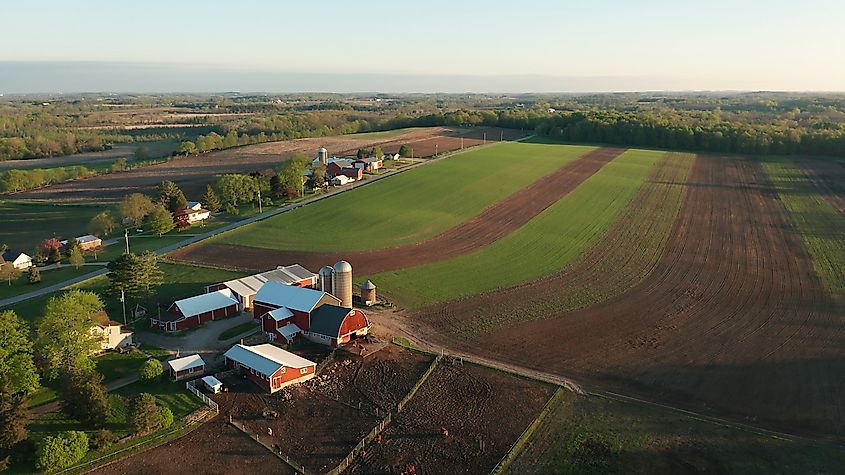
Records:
x=290, y=330
x=327, y=319
x=280, y=313
x=250, y=285
x=292, y=297
x=266, y=358
x=186, y=362
x=206, y=302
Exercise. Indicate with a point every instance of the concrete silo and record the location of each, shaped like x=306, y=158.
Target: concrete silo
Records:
x=326, y=279
x=323, y=155
x=342, y=283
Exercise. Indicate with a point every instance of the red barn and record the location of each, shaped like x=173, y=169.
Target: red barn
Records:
x=287, y=312
x=196, y=310
x=334, y=169
x=269, y=366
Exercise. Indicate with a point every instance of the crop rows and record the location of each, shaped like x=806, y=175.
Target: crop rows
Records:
x=547, y=243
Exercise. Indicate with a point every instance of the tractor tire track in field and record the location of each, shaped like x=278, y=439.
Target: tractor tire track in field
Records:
x=829, y=178
x=733, y=319
x=495, y=222
x=626, y=254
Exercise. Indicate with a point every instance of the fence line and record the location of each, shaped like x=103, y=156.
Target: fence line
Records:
x=401, y=405
x=298, y=467
x=207, y=400
x=516, y=448
x=360, y=446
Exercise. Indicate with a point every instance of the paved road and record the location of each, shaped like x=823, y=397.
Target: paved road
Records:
x=259, y=217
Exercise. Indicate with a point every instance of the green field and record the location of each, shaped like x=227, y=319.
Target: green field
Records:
x=21, y=285
x=545, y=244
x=410, y=206
x=23, y=225
x=599, y=435
x=822, y=228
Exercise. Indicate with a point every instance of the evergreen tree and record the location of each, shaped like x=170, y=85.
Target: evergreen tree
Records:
x=136, y=275
x=33, y=275
x=84, y=398
x=144, y=415
x=210, y=200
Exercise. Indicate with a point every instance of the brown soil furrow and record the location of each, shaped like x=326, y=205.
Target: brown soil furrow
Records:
x=732, y=320
x=495, y=222
x=623, y=257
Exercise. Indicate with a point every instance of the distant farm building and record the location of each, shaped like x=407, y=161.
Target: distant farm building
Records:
x=185, y=367
x=196, y=310
x=87, y=242
x=269, y=366
x=287, y=312
x=245, y=288
x=20, y=261
x=368, y=164
x=343, y=167
x=340, y=180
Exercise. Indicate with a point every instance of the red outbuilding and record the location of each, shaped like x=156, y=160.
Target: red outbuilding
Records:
x=185, y=367
x=196, y=310
x=269, y=366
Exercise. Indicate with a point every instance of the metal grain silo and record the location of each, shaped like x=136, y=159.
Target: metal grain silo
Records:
x=368, y=293
x=323, y=155
x=342, y=283
x=326, y=279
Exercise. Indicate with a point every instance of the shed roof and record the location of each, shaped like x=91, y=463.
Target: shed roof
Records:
x=266, y=358
x=206, y=302
x=212, y=382
x=290, y=330
x=87, y=238
x=368, y=285
x=280, y=313
x=327, y=319
x=186, y=362
x=292, y=297
x=251, y=284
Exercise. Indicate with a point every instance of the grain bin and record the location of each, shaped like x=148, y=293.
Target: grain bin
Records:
x=368, y=293
x=342, y=283
x=326, y=279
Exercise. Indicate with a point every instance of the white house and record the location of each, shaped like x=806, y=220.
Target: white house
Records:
x=113, y=334
x=22, y=261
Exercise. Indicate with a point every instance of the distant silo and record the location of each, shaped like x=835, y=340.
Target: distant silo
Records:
x=323, y=155
x=368, y=293
x=326, y=279
x=342, y=283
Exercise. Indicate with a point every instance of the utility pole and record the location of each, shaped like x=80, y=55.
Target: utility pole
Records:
x=126, y=238
x=435, y=149
x=123, y=303
x=462, y=142
x=501, y=136
x=485, y=138
x=260, y=209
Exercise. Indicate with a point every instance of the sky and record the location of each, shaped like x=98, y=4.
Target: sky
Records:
x=425, y=46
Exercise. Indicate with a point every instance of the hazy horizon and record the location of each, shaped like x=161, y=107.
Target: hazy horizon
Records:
x=494, y=47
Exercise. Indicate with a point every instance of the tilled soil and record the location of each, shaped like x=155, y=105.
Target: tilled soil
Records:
x=463, y=419
x=193, y=173
x=215, y=448
x=495, y=222
x=733, y=320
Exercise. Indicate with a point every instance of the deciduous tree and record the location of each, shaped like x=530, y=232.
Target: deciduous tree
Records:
x=62, y=450
x=102, y=224
x=76, y=258
x=134, y=208
x=64, y=340
x=160, y=221
x=9, y=272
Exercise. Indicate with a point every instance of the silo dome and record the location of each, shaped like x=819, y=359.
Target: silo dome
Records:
x=342, y=266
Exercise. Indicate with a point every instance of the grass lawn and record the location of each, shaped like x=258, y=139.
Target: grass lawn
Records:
x=24, y=224
x=598, y=435
x=137, y=244
x=48, y=277
x=821, y=226
x=237, y=330
x=545, y=244
x=410, y=206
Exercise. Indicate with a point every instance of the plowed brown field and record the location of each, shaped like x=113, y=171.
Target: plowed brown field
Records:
x=193, y=173
x=493, y=223
x=732, y=320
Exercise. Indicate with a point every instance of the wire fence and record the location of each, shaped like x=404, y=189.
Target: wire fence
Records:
x=191, y=385
x=401, y=405
x=275, y=449
x=360, y=446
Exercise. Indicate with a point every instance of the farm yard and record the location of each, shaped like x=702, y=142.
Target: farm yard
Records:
x=191, y=174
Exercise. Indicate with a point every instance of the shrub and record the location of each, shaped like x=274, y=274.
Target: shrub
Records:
x=144, y=415
x=61, y=451
x=150, y=370
x=166, y=416
x=102, y=438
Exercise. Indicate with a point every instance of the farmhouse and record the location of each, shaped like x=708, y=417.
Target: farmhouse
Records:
x=287, y=312
x=113, y=335
x=193, y=213
x=269, y=366
x=368, y=164
x=340, y=180
x=186, y=367
x=19, y=260
x=245, y=288
x=196, y=310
